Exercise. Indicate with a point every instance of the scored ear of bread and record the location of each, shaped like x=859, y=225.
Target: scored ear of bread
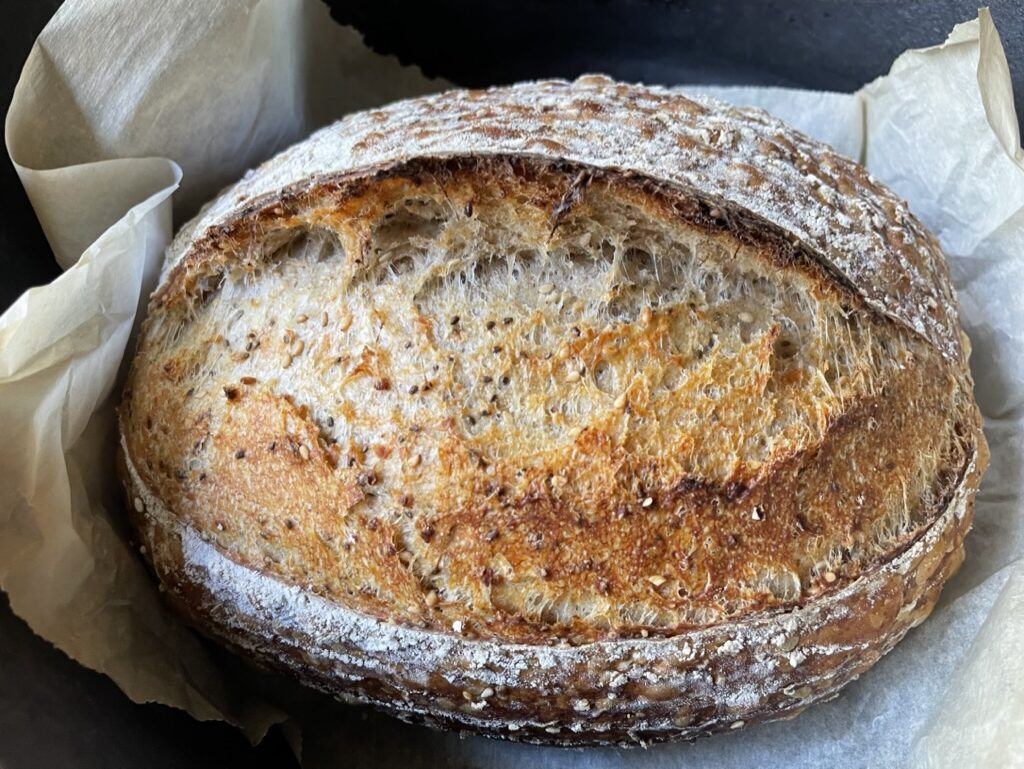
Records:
x=490, y=412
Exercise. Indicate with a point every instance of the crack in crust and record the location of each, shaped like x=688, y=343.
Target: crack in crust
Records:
x=740, y=157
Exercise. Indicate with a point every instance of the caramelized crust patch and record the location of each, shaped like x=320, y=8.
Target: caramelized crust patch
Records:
x=538, y=401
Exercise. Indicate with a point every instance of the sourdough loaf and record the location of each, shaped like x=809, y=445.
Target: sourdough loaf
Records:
x=566, y=412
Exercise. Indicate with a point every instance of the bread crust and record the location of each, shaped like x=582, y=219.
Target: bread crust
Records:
x=741, y=158
x=736, y=177
x=628, y=692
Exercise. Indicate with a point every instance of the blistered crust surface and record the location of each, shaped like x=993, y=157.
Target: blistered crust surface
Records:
x=745, y=156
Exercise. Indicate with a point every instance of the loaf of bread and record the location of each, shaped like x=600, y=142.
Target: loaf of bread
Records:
x=565, y=412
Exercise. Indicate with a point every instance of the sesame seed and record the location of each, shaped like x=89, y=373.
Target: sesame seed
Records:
x=572, y=376
x=324, y=318
x=487, y=693
x=413, y=389
x=139, y=507
x=304, y=451
x=513, y=727
x=302, y=318
x=546, y=288
x=431, y=598
x=457, y=626
x=345, y=321
x=648, y=501
x=297, y=347
x=745, y=317
x=620, y=402
x=240, y=454
x=715, y=213
x=737, y=724
x=249, y=380
x=830, y=577
x=286, y=361
x=657, y=580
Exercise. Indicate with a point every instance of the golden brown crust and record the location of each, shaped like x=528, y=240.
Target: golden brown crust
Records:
x=625, y=692
x=382, y=452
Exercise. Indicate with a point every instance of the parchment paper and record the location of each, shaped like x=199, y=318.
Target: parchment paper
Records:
x=129, y=115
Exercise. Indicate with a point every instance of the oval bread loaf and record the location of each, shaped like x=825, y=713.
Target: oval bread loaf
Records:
x=565, y=412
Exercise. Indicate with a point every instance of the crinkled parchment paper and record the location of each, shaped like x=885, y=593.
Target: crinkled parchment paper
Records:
x=129, y=115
